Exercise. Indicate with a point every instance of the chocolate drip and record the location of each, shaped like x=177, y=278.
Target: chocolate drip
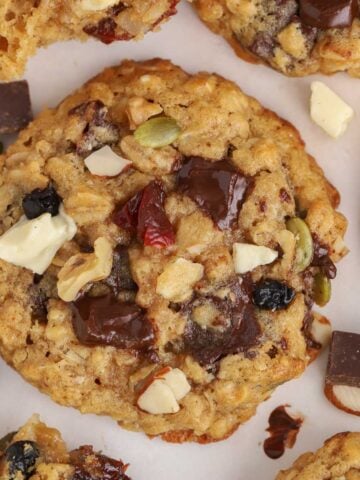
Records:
x=217, y=187
x=283, y=431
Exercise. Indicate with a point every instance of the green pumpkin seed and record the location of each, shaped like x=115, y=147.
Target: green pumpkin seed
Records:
x=157, y=132
x=304, y=243
x=321, y=289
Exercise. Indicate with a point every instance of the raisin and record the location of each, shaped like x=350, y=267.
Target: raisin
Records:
x=272, y=295
x=41, y=201
x=21, y=457
x=145, y=214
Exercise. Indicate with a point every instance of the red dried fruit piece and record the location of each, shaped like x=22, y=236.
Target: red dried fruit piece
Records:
x=89, y=465
x=145, y=214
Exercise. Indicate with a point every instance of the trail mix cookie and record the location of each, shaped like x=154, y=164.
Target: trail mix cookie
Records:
x=296, y=37
x=163, y=240
x=37, y=452
x=339, y=458
x=29, y=24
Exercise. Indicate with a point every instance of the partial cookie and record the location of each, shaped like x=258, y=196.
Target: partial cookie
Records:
x=296, y=37
x=27, y=25
x=163, y=240
x=339, y=458
x=37, y=452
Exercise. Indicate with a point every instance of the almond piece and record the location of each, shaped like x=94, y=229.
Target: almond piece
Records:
x=321, y=330
x=247, y=256
x=344, y=397
x=106, y=163
x=158, y=399
x=177, y=381
x=84, y=268
x=95, y=5
x=176, y=282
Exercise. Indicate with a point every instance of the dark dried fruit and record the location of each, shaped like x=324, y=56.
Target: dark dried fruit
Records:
x=41, y=201
x=145, y=214
x=120, y=277
x=21, y=457
x=98, y=129
x=209, y=345
x=272, y=295
x=217, y=187
x=89, y=465
x=106, y=321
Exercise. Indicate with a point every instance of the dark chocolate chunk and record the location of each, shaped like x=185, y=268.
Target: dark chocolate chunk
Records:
x=217, y=187
x=106, y=321
x=15, y=106
x=120, y=277
x=272, y=295
x=145, y=214
x=241, y=329
x=89, y=465
x=98, y=130
x=283, y=431
x=344, y=360
x=328, y=13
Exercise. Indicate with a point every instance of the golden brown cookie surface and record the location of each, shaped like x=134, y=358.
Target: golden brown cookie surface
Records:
x=179, y=296
x=292, y=36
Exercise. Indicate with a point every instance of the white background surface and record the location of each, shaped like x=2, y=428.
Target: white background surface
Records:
x=54, y=73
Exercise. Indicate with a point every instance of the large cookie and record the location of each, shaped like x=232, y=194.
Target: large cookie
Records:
x=181, y=295
x=339, y=458
x=37, y=452
x=296, y=37
x=28, y=24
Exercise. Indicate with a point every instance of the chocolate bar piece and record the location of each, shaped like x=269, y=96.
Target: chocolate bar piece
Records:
x=15, y=106
x=342, y=383
x=328, y=13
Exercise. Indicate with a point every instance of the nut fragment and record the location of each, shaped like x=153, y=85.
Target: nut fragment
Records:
x=165, y=390
x=321, y=330
x=95, y=5
x=344, y=397
x=106, y=163
x=157, y=132
x=139, y=110
x=178, y=278
x=246, y=257
x=83, y=268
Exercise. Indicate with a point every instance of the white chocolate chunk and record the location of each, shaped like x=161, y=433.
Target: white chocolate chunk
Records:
x=84, y=268
x=106, y=163
x=328, y=110
x=349, y=397
x=177, y=381
x=164, y=392
x=321, y=330
x=246, y=257
x=33, y=243
x=175, y=283
x=158, y=399
x=95, y=5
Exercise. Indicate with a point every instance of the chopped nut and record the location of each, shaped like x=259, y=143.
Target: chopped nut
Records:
x=94, y=5
x=321, y=330
x=247, y=257
x=165, y=390
x=83, y=268
x=329, y=111
x=139, y=110
x=177, y=280
x=106, y=163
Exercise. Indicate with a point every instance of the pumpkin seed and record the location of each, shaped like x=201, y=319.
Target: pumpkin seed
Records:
x=304, y=243
x=157, y=132
x=321, y=289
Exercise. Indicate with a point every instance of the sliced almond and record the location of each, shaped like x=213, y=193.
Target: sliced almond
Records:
x=344, y=397
x=84, y=268
x=177, y=381
x=178, y=279
x=246, y=256
x=321, y=330
x=106, y=163
x=158, y=399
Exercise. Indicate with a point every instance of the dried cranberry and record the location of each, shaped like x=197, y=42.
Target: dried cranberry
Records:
x=89, y=465
x=272, y=295
x=217, y=187
x=145, y=214
x=21, y=457
x=41, y=201
x=209, y=345
x=106, y=321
